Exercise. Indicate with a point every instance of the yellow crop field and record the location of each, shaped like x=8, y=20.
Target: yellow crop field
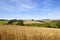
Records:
x=12, y=32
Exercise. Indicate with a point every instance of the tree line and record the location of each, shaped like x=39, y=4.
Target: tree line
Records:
x=11, y=22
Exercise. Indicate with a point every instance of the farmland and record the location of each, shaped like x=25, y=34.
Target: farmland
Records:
x=29, y=30
x=34, y=23
x=13, y=32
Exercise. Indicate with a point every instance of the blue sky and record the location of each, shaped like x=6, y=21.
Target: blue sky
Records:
x=29, y=9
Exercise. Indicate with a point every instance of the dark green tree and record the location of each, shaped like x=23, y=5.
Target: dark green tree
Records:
x=32, y=19
x=10, y=22
x=58, y=24
x=20, y=22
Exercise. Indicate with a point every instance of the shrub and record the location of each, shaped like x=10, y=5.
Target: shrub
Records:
x=58, y=24
x=10, y=22
x=20, y=22
x=16, y=22
x=32, y=19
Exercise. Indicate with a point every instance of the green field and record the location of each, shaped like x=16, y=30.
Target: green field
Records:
x=3, y=22
x=49, y=24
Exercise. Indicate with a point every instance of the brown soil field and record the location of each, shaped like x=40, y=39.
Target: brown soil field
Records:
x=12, y=32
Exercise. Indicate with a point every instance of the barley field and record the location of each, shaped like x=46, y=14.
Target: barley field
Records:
x=13, y=32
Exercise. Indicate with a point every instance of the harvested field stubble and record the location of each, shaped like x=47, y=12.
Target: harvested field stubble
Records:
x=28, y=33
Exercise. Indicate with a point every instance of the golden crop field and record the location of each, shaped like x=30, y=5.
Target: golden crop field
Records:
x=12, y=32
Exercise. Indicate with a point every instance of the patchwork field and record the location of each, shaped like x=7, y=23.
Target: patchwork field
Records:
x=12, y=32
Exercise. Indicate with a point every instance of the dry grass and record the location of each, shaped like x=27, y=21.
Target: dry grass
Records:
x=28, y=33
x=30, y=22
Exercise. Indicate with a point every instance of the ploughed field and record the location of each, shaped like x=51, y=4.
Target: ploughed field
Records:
x=12, y=32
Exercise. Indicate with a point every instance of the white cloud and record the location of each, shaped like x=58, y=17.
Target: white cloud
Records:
x=46, y=3
x=49, y=14
x=7, y=7
x=24, y=4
